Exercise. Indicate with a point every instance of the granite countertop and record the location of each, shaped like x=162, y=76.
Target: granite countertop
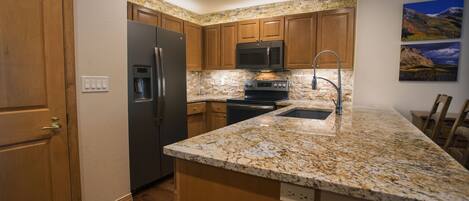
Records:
x=202, y=98
x=365, y=153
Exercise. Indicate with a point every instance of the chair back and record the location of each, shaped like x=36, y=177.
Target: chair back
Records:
x=459, y=121
x=444, y=101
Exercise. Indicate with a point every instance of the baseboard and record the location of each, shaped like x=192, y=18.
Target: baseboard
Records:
x=127, y=197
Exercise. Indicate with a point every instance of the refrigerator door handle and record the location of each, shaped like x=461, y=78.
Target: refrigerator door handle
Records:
x=158, y=88
x=163, y=83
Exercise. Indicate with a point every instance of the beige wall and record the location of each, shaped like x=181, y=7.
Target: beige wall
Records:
x=377, y=57
x=100, y=40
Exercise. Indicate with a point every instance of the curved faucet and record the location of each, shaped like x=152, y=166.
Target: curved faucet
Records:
x=338, y=87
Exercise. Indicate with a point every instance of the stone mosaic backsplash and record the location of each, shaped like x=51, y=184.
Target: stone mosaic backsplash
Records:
x=231, y=83
x=254, y=12
x=274, y=9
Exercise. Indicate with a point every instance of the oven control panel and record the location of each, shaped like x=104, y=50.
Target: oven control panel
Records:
x=266, y=85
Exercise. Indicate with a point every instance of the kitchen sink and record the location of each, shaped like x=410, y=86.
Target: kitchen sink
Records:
x=320, y=114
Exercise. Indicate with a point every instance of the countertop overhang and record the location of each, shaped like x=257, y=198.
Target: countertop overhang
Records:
x=365, y=153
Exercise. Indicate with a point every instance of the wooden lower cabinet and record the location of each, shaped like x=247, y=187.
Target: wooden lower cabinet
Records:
x=196, y=124
x=204, y=117
x=196, y=119
x=199, y=182
x=216, y=115
x=217, y=120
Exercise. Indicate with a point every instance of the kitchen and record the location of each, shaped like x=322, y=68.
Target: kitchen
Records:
x=200, y=100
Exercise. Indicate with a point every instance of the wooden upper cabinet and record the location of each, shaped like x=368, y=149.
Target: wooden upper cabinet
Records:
x=336, y=29
x=272, y=28
x=300, y=40
x=129, y=11
x=146, y=15
x=248, y=31
x=172, y=23
x=193, y=35
x=229, y=38
x=212, y=46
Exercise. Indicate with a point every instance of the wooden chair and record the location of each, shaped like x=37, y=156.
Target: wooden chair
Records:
x=461, y=154
x=437, y=118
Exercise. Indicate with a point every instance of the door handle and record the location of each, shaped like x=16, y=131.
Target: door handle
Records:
x=159, y=83
x=55, y=125
x=268, y=56
x=163, y=84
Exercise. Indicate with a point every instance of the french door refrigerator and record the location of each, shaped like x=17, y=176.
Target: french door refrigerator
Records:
x=157, y=99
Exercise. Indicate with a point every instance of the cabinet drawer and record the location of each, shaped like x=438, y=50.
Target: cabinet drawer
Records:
x=195, y=108
x=218, y=107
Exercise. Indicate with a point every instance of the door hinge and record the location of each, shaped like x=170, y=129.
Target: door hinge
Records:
x=67, y=118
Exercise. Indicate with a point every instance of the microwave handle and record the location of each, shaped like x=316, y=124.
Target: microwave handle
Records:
x=268, y=56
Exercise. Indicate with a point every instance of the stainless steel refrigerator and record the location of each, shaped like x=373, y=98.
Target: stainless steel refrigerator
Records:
x=157, y=99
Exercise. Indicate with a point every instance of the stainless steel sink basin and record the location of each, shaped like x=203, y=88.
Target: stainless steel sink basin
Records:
x=320, y=114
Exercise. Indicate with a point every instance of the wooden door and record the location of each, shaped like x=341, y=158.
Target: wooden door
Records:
x=248, y=31
x=336, y=31
x=172, y=23
x=272, y=28
x=229, y=38
x=129, y=11
x=34, y=162
x=300, y=40
x=193, y=35
x=212, y=46
x=146, y=15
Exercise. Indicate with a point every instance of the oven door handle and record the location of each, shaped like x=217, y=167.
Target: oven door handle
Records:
x=262, y=107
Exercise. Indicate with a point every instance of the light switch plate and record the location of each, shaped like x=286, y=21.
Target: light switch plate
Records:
x=90, y=84
x=290, y=192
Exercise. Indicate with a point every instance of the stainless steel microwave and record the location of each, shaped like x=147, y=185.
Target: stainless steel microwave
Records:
x=258, y=56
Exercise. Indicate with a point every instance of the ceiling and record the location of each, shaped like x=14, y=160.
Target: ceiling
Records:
x=210, y=6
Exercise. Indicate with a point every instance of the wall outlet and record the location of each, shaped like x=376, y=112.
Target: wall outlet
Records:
x=90, y=84
x=290, y=192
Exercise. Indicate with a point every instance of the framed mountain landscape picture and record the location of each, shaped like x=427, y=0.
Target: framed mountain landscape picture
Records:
x=432, y=20
x=430, y=62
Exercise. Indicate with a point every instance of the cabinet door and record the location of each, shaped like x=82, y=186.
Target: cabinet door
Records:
x=212, y=47
x=146, y=15
x=195, y=124
x=172, y=23
x=129, y=11
x=248, y=31
x=217, y=120
x=229, y=38
x=336, y=29
x=193, y=35
x=300, y=40
x=272, y=28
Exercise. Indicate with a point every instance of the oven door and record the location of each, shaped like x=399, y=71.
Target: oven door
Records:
x=240, y=112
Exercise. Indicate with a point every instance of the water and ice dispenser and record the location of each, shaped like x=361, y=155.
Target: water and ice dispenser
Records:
x=142, y=79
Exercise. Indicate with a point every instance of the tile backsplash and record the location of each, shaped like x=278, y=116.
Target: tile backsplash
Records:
x=254, y=12
x=231, y=82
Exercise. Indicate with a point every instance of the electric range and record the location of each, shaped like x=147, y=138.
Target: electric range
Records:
x=260, y=97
